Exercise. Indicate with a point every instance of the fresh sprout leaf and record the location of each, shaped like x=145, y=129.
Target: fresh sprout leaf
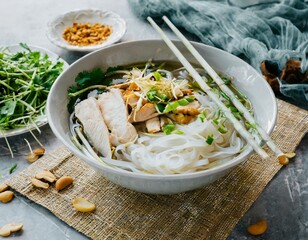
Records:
x=26, y=78
x=9, y=108
x=168, y=128
x=13, y=168
x=25, y=46
x=17, y=56
x=157, y=75
x=210, y=139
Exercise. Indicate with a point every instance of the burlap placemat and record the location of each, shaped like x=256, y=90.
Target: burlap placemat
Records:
x=208, y=213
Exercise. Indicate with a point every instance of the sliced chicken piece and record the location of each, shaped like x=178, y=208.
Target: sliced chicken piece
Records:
x=146, y=112
x=163, y=121
x=115, y=114
x=153, y=125
x=130, y=98
x=90, y=116
x=190, y=109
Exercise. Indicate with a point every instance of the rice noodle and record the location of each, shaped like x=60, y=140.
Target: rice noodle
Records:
x=184, y=150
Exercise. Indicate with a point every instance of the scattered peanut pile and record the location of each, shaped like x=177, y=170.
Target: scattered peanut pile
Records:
x=42, y=180
x=86, y=34
x=5, y=197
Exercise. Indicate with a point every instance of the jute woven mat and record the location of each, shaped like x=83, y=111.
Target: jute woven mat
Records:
x=208, y=213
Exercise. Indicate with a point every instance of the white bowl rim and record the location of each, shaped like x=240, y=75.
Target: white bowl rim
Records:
x=220, y=168
x=90, y=48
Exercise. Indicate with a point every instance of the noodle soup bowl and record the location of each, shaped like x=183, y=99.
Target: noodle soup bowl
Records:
x=246, y=79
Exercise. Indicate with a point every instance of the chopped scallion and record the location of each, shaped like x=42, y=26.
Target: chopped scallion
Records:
x=210, y=139
x=157, y=75
x=168, y=128
x=202, y=116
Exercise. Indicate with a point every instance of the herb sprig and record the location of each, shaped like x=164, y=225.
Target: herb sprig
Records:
x=25, y=80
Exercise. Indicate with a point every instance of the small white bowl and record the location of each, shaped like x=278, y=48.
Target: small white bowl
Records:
x=55, y=27
x=247, y=80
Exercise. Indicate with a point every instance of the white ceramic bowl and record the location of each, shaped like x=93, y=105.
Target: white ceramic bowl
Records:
x=55, y=27
x=247, y=79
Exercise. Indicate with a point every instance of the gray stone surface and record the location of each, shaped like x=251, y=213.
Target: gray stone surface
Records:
x=284, y=203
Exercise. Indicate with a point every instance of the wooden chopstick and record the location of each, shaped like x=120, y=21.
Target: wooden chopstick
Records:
x=237, y=125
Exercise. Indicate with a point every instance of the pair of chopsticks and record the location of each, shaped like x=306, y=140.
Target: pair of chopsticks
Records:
x=282, y=157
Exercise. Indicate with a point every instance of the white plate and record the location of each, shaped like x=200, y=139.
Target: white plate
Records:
x=55, y=28
x=42, y=120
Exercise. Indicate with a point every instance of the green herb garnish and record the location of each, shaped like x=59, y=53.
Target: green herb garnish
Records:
x=89, y=80
x=152, y=94
x=210, y=139
x=178, y=132
x=171, y=106
x=168, y=128
x=25, y=80
x=12, y=169
x=202, y=116
x=157, y=75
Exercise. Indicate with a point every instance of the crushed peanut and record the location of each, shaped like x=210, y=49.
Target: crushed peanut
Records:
x=86, y=34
